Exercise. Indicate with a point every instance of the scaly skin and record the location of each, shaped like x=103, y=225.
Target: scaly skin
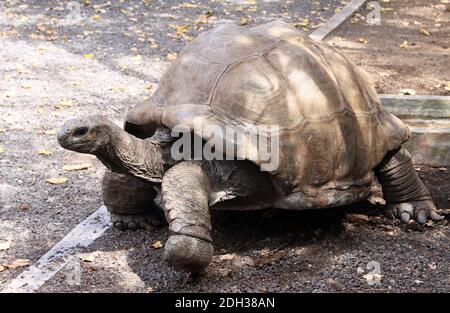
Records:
x=406, y=196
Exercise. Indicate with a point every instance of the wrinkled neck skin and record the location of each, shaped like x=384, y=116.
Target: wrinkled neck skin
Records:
x=143, y=158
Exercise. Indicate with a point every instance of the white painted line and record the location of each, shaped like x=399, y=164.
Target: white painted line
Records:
x=57, y=257
x=336, y=20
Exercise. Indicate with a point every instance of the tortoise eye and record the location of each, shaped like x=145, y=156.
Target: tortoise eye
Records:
x=80, y=131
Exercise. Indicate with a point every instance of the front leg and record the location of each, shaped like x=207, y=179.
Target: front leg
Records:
x=185, y=197
x=131, y=202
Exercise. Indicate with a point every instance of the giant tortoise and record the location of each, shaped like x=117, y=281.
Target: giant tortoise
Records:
x=333, y=138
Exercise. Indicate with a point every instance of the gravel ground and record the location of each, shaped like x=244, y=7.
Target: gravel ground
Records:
x=55, y=66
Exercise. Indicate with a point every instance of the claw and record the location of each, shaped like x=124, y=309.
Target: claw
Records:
x=420, y=211
x=406, y=211
x=422, y=217
x=405, y=217
x=145, y=221
x=435, y=216
x=406, y=207
x=119, y=226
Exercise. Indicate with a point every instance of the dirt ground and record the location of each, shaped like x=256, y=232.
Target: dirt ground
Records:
x=409, y=50
x=55, y=67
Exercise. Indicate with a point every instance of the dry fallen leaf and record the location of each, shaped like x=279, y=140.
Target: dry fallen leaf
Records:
x=96, y=17
x=26, y=86
x=172, y=56
x=77, y=167
x=2, y=149
x=44, y=152
x=4, y=245
x=424, y=32
x=404, y=44
x=180, y=29
x=429, y=223
x=57, y=180
x=244, y=21
x=157, y=245
x=407, y=91
x=304, y=22
x=203, y=19
x=17, y=263
x=373, y=278
x=188, y=5
x=357, y=218
x=270, y=257
x=66, y=102
x=88, y=56
x=137, y=58
x=224, y=272
x=363, y=40
x=50, y=132
x=118, y=89
x=24, y=207
x=148, y=87
x=227, y=257
x=88, y=258
x=2, y=268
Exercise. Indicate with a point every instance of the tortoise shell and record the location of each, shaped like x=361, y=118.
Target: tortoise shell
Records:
x=332, y=128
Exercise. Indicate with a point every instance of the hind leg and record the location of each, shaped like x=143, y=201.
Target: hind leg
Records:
x=131, y=202
x=405, y=194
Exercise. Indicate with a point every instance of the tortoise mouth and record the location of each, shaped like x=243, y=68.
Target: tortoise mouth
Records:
x=71, y=142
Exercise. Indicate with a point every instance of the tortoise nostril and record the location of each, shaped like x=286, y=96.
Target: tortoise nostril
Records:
x=80, y=131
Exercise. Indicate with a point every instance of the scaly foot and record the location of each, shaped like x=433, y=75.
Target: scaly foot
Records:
x=420, y=211
x=187, y=253
x=147, y=221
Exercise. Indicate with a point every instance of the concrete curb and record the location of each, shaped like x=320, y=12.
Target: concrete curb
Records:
x=428, y=118
x=427, y=107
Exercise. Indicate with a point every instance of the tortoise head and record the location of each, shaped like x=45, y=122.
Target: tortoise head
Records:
x=90, y=134
x=118, y=150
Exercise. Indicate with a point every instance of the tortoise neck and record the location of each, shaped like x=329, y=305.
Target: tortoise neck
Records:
x=143, y=158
